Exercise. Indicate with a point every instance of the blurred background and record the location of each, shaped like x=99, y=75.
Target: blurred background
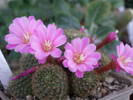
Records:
x=99, y=17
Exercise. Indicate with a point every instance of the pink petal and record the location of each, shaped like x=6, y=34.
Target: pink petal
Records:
x=60, y=40
x=92, y=47
x=23, y=22
x=22, y=48
x=35, y=43
x=120, y=64
x=68, y=54
x=65, y=63
x=89, y=49
x=40, y=55
x=128, y=51
x=95, y=55
x=10, y=46
x=90, y=68
x=42, y=61
x=32, y=26
x=79, y=74
x=77, y=43
x=120, y=49
x=72, y=66
x=69, y=46
x=91, y=61
x=51, y=31
x=31, y=18
x=85, y=42
x=82, y=67
x=12, y=39
x=41, y=32
x=129, y=69
x=60, y=31
x=16, y=29
x=56, y=53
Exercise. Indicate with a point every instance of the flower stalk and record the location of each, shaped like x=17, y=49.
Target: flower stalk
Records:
x=106, y=68
x=108, y=39
x=25, y=73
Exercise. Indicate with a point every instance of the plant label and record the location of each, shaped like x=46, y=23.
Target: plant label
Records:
x=5, y=71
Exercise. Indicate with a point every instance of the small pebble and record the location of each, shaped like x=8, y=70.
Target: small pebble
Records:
x=109, y=79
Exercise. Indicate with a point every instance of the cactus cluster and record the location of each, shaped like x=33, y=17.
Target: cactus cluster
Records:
x=51, y=82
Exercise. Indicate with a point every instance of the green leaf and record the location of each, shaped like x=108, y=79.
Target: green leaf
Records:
x=97, y=11
x=116, y=3
x=103, y=31
x=61, y=7
x=65, y=21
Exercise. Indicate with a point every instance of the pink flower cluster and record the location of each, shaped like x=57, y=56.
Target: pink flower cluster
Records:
x=28, y=35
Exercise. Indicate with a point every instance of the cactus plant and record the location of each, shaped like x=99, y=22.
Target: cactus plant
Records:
x=28, y=61
x=82, y=87
x=50, y=82
x=21, y=87
x=72, y=33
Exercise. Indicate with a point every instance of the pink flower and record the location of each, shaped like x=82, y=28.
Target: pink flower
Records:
x=80, y=56
x=20, y=32
x=46, y=41
x=125, y=58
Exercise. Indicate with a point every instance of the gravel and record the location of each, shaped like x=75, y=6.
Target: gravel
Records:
x=111, y=84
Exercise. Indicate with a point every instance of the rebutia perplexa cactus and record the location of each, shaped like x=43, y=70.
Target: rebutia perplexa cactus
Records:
x=72, y=33
x=28, y=61
x=21, y=87
x=50, y=82
x=82, y=87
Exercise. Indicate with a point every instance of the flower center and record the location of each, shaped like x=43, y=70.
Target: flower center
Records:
x=125, y=60
x=26, y=37
x=78, y=58
x=47, y=46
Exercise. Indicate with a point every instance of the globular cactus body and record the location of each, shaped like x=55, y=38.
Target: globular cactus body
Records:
x=50, y=82
x=21, y=87
x=81, y=87
x=28, y=61
x=72, y=33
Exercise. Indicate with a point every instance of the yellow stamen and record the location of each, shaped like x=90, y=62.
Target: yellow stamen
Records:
x=47, y=46
x=26, y=37
x=125, y=60
x=78, y=58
